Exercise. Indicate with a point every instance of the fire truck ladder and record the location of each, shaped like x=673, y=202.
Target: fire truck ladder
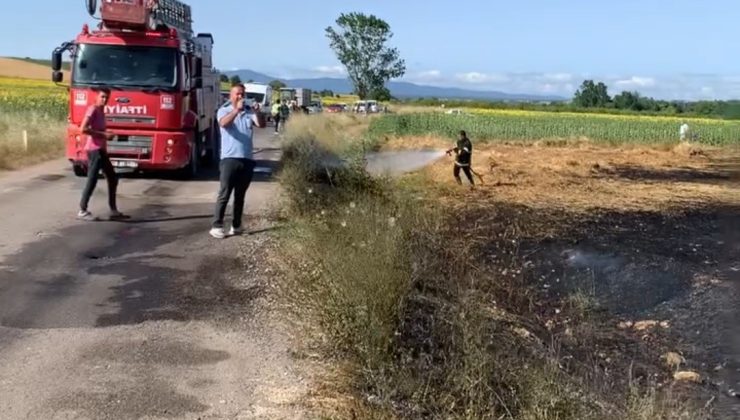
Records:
x=146, y=15
x=174, y=14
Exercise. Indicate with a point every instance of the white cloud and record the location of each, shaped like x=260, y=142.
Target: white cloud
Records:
x=549, y=88
x=636, y=82
x=668, y=87
x=331, y=70
x=426, y=76
x=558, y=77
x=429, y=74
x=475, y=77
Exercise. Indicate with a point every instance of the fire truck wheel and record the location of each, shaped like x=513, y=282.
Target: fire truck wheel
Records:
x=191, y=170
x=213, y=153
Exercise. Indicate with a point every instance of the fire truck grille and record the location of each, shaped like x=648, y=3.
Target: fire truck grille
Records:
x=139, y=146
x=131, y=120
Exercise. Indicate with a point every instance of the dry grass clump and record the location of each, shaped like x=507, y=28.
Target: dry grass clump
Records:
x=45, y=139
x=395, y=290
x=588, y=177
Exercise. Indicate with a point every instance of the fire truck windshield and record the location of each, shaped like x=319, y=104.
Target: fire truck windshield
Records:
x=125, y=65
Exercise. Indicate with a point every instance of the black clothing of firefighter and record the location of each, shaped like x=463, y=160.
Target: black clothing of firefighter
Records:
x=464, y=152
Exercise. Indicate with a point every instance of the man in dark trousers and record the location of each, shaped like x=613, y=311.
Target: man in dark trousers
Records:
x=236, y=122
x=463, y=151
x=96, y=139
x=279, y=114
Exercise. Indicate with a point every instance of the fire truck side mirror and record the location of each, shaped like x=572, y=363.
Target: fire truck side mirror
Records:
x=57, y=76
x=56, y=60
x=92, y=6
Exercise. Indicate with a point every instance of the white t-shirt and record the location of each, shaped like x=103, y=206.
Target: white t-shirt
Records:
x=684, y=129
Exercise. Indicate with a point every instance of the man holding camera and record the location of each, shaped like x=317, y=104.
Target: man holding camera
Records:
x=236, y=121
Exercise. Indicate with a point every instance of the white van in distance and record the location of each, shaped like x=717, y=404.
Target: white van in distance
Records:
x=261, y=94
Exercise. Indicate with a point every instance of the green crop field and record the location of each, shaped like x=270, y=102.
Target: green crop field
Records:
x=492, y=125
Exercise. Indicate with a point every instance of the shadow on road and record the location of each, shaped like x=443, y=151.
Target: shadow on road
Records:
x=265, y=171
x=165, y=219
x=163, y=267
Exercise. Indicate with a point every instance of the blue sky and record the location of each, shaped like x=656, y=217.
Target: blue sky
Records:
x=667, y=49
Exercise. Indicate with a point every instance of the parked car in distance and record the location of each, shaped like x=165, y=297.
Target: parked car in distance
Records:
x=334, y=108
x=315, y=107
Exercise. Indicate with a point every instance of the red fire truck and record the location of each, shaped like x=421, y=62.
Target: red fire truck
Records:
x=164, y=89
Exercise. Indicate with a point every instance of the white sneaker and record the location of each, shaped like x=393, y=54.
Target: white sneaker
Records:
x=217, y=233
x=85, y=215
x=236, y=231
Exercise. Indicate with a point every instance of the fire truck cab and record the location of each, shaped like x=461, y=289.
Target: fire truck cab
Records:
x=164, y=89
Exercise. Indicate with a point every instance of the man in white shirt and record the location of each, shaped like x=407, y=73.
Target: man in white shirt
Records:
x=684, y=131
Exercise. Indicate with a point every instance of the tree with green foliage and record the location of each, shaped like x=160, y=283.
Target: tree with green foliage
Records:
x=326, y=93
x=592, y=95
x=381, y=94
x=224, y=78
x=276, y=85
x=629, y=100
x=235, y=79
x=360, y=45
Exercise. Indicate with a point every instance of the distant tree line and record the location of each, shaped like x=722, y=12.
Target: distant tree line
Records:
x=593, y=97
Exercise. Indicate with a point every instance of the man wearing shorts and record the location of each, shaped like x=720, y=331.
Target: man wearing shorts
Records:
x=96, y=139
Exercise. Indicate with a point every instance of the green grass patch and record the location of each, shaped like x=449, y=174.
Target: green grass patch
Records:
x=531, y=126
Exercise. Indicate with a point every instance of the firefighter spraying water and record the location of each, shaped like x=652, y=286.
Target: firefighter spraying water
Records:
x=463, y=159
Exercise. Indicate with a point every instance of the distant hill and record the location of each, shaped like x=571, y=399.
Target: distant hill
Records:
x=46, y=63
x=28, y=68
x=398, y=89
x=41, y=69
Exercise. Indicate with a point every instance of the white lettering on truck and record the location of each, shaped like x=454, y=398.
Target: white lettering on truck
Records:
x=126, y=109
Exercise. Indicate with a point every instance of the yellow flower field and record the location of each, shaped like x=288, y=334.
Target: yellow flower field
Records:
x=34, y=110
x=342, y=99
x=29, y=95
x=622, y=117
x=47, y=100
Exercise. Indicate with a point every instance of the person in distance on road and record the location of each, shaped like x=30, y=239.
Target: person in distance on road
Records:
x=236, y=121
x=276, y=115
x=96, y=139
x=463, y=154
x=284, y=113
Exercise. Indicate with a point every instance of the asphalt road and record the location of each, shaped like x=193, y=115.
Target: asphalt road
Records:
x=137, y=318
